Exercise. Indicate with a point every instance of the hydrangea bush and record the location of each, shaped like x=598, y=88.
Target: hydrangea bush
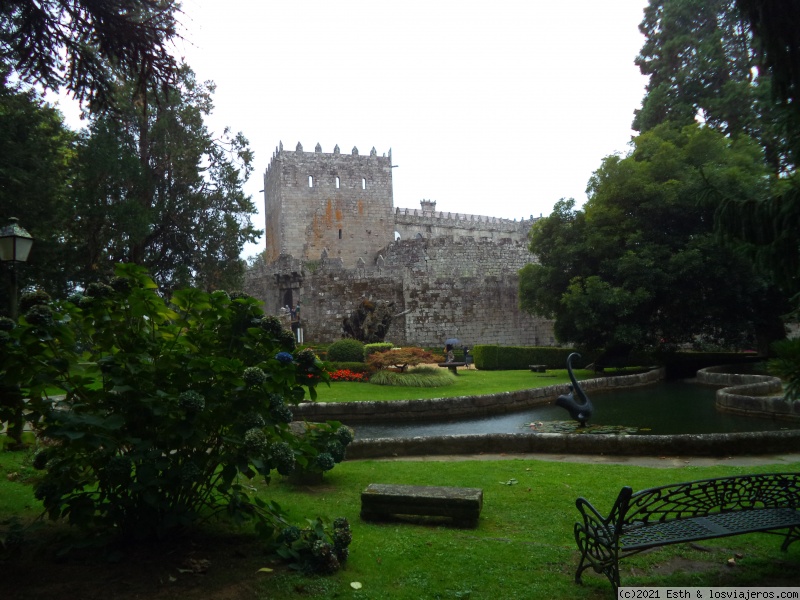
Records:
x=170, y=406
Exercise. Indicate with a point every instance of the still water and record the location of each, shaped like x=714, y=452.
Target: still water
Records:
x=665, y=408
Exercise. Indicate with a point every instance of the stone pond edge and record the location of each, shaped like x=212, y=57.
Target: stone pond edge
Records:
x=716, y=444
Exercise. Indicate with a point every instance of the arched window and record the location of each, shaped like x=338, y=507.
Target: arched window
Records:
x=337, y=182
x=310, y=181
x=340, y=234
x=363, y=183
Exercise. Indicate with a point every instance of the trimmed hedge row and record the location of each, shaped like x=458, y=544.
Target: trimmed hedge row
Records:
x=509, y=358
x=370, y=349
x=679, y=364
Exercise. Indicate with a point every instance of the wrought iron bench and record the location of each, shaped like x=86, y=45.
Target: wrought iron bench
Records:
x=686, y=512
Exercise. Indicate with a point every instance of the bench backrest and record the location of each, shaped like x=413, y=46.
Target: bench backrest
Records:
x=707, y=496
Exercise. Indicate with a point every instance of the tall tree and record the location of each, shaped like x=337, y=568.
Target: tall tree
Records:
x=776, y=27
x=82, y=44
x=768, y=227
x=36, y=151
x=702, y=65
x=156, y=188
x=639, y=266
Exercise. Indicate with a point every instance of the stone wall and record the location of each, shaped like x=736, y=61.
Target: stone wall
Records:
x=749, y=394
x=413, y=223
x=331, y=229
x=440, y=288
x=463, y=406
x=683, y=445
x=336, y=203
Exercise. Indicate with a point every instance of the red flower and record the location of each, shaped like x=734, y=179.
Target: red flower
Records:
x=347, y=375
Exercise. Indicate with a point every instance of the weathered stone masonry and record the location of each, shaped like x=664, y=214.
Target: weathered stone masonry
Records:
x=333, y=242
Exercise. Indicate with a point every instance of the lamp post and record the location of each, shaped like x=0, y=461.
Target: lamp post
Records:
x=15, y=245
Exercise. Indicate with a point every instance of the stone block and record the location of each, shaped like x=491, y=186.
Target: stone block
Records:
x=462, y=505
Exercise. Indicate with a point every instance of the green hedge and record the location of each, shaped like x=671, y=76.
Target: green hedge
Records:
x=686, y=364
x=510, y=358
x=376, y=347
x=680, y=364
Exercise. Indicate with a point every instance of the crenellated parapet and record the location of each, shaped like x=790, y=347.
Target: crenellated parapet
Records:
x=427, y=224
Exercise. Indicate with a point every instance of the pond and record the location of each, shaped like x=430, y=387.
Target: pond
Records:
x=670, y=407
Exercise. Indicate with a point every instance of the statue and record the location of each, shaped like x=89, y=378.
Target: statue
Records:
x=581, y=409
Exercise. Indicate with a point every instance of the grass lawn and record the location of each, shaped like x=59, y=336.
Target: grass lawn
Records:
x=470, y=382
x=522, y=548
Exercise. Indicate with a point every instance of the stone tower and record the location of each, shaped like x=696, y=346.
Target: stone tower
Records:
x=333, y=205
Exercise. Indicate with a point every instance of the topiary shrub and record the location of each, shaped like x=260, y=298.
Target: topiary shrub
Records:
x=169, y=406
x=346, y=350
x=370, y=349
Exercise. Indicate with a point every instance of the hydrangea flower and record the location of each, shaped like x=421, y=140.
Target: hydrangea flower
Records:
x=283, y=457
x=281, y=414
x=284, y=358
x=31, y=299
x=325, y=461
x=290, y=534
x=99, y=290
x=40, y=315
x=254, y=376
x=191, y=401
x=255, y=440
x=345, y=435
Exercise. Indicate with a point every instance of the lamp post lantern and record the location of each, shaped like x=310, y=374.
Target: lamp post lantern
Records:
x=15, y=245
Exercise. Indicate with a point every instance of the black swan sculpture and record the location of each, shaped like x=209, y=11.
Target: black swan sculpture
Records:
x=581, y=409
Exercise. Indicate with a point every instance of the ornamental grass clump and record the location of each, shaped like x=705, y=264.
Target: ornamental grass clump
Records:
x=170, y=406
x=421, y=377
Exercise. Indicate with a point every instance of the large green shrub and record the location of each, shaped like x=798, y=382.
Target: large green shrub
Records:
x=346, y=350
x=169, y=405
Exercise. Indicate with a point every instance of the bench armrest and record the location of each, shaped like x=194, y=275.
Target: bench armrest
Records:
x=594, y=524
x=598, y=537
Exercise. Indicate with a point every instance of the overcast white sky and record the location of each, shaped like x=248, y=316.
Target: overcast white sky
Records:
x=490, y=108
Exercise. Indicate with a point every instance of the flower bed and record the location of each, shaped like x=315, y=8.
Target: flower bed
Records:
x=348, y=375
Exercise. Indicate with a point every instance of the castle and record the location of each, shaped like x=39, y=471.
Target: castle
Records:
x=334, y=238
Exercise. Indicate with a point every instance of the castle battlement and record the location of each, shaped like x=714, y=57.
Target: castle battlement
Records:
x=428, y=224
x=298, y=153
x=334, y=237
x=460, y=219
